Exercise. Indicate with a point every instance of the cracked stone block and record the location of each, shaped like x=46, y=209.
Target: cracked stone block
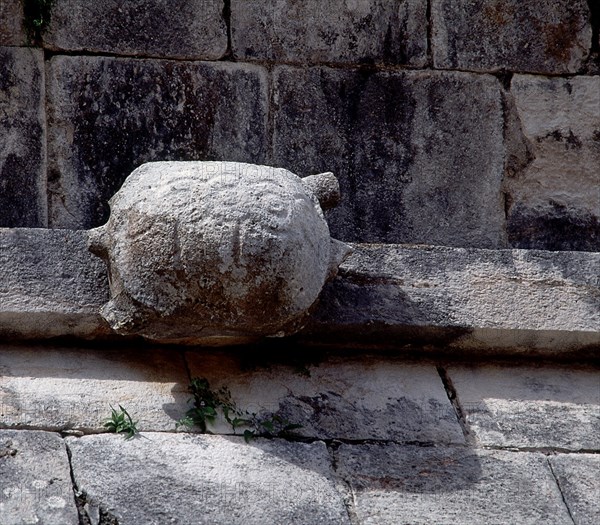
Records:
x=35, y=479
x=346, y=31
x=392, y=484
x=532, y=36
x=554, y=193
x=215, y=479
x=12, y=31
x=22, y=138
x=339, y=398
x=61, y=388
x=537, y=406
x=153, y=28
x=578, y=477
x=108, y=116
x=419, y=155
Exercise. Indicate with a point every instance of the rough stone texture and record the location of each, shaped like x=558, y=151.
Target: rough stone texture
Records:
x=12, y=32
x=533, y=302
x=22, y=138
x=578, y=477
x=225, y=251
x=533, y=36
x=195, y=29
x=69, y=388
x=313, y=31
x=35, y=481
x=50, y=285
x=107, y=116
x=531, y=406
x=419, y=155
x=393, y=484
x=361, y=397
x=216, y=480
x=446, y=299
x=554, y=196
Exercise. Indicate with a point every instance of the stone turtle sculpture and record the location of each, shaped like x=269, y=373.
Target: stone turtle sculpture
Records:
x=216, y=252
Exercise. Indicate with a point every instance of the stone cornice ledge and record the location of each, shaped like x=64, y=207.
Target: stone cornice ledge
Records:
x=430, y=297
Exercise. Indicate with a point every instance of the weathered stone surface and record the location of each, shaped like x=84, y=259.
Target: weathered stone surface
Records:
x=102, y=124
x=50, y=285
x=531, y=302
x=531, y=406
x=446, y=299
x=69, y=388
x=336, y=31
x=554, y=198
x=12, y=32
x=22, y=138
x=215, y=252
x=393, y=484
x=194, y=30
x=534, y=36
x=216, y=480
x=578, y=477
x=419, y=155
x=345, y=397
x=35, y=481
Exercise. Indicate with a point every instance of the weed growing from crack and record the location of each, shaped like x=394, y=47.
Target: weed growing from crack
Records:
x=120, y=422
x=207, y=404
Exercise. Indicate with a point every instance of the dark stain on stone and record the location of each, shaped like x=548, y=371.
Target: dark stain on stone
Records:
x=559, y=39
x=7, y=450
x=556, y=228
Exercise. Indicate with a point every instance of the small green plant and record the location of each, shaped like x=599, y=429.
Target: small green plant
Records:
x=37, y=16
x=120, y=422
x=207, y=404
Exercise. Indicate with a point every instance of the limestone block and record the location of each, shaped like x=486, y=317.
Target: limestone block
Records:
x=419, y=155
x=228, y=250
x=392, y=484
x=22, y=138
x=103, y=125
x=578, y=476
x=63, y=388
x=463, y=300
x=50, y=285
x=554, y=198
x=215, y=479
x=35, y=480
x=314, y=31
x=533, y=36
x=552, y=406
x=348, y=397
x=12, y=31
x=194, y=29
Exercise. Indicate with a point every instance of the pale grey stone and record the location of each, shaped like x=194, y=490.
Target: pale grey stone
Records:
x=393, y=484
x=534, y=36
x=419, y=155
x=22, y=138
x=103, y=124
x=194, y=29
x=347, y=397
x=74, y=388
x=554, y=199
x=347, y=31
x=12, y=30
x=35, y=481
x=463, y=300
x=578, y=477
x=535, y=406
x=50, y=285
x=215, y=251
x=182, y=479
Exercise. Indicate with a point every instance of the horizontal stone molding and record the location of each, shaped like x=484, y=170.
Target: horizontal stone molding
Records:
x=430, y=298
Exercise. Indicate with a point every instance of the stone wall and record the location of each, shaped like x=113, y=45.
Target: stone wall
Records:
x=470, y=123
